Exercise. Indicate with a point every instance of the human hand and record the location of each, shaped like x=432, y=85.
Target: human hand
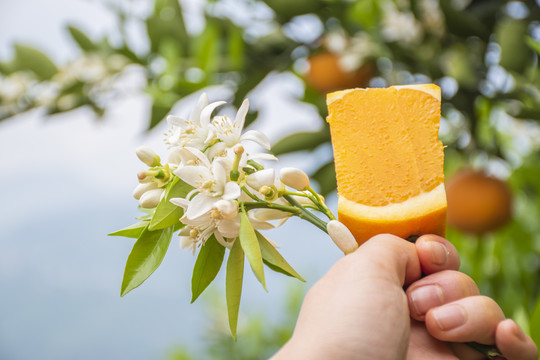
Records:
x=359, y=309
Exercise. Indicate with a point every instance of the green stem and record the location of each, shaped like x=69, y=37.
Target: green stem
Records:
x=244, y=189
x=488, y=350
x=265, y=205
x=326, y=211
x=306, y=215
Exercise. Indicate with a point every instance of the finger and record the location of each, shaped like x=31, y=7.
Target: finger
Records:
x=386, y=257
x=473, y=318
x=436, y=254
x=438, y=289
x=513, y=343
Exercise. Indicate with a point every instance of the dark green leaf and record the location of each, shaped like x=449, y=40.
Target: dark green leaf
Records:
x=28, y=58
x=132, y=231
x=515, y=54
x=145, y=257
x=207, y=50
x=533, y=44
x=301, y=141
x=158, y=113
x=250, y=245
x=166, y=22
x=234, y=279
x=235, y=48
x=535, y=322
x=81, y=39
x=273, y=259
x=326, y=178
x=167, y=214
x=207, y=266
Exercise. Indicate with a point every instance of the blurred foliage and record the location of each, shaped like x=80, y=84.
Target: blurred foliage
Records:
x=483, y=53
x=259, y=335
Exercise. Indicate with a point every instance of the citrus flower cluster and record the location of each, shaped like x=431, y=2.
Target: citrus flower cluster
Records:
x=207, y=153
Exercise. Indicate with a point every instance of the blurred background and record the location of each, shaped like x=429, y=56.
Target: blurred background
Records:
x=82, y=83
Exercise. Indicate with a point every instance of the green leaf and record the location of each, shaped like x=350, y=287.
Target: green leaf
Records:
x=534, y=324
x=250, y=245
x=326, y=178
x=36, y=61
x=301, y=141
x=273, y=259
x=234, y=279
x=207, y=50
x=132, y=231
x=81, y=39
x=145, y=257
x=207, y=266
x=166, y=22
x=157, y=114
x=167, y=214
x=511, y=35
x=533, y=44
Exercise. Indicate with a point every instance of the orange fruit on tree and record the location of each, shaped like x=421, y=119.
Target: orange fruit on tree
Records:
x=389, y=161
x=478, y=203
x=326, y=74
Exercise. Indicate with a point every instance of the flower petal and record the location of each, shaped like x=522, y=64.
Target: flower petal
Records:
x=256, y=136
x=261, y=178
x=221, y=240
x=189, y=153
x=263, y=156
x=232, y=191
x=229, y=228
x=200, y=205
x=240, y=118
x=183, y=203
x=176, y=121
x=269, y=214
x=202, y=102
x=207, y=113
x=195, y=176
x=219, y=172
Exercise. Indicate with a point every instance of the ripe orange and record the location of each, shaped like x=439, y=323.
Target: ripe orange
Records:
x=326, y=74
x=389, y=161
x=478, y=203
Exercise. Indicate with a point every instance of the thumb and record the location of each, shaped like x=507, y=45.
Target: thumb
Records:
x=386, y=257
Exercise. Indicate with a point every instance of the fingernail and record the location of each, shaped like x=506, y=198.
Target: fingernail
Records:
x=426, y=297
x=439, y=253
x=449, y=317
x=518, y=332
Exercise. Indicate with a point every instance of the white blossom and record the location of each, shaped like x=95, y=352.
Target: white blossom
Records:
x=295, y=178
x=261, y=178
x=341, y=236
x=194, y=131
x=229, y=133
x=142, y=188
x=147, y=156
x=211, y=184
x=150, y=199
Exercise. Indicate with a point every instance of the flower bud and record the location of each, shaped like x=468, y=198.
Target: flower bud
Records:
x=142, y=188
x=147, y=156
x=261, y=178
x=295, y=178
x=228, y=209
x=151, y=198
x=341, y=236
x=143, y=177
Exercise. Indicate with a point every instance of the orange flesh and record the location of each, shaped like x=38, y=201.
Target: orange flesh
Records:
x=386, y=152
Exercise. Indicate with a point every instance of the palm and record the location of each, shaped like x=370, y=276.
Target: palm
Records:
x=424, y=346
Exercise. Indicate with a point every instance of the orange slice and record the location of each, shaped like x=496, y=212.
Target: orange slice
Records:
x=389, y=161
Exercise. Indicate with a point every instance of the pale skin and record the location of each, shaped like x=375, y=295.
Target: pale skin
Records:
x=360, y=310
